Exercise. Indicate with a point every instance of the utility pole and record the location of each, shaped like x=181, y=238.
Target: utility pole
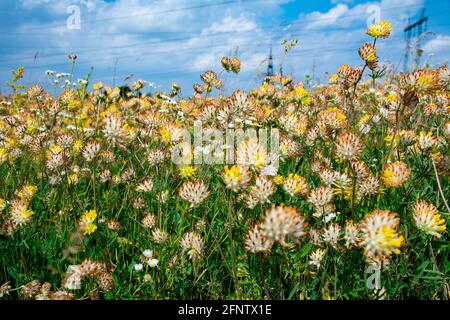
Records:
x=414, y=30
x=270, y=65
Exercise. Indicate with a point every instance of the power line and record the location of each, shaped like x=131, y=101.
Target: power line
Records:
x=182, y=73
x=343, y=49
x=162, y=42
x=215, y=4
x=159, y=42
x=223, y=33
x=200, y=6
x=337, y=50
x=245, y=44
x=219, y=34
x=193, y=49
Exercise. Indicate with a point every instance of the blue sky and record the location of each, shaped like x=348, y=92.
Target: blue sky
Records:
x=176, y=40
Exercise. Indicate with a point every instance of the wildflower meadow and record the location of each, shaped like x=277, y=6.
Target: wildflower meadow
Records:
x=285, y=191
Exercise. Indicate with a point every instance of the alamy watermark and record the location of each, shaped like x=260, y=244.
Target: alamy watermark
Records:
x=251, y=147
x=374, y=13
x=73, y=21
x=373, y=281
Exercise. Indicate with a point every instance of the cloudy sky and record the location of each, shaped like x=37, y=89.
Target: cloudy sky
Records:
x=175, y=40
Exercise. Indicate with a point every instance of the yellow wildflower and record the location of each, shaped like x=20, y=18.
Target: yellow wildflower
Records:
x=72, y=179
x=78, y=145
x=27, y=192
x=90, y=215
x=3, y=155
x=391, y=240
x=87, y=222
x=395, y=174
x=235, y=177
x=278, y=180
x=187, y=171
x=381, y=29
x=89, y=228
x=427, y=219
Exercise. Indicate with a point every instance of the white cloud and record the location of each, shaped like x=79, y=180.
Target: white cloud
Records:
x=158, y=41
x=318, y=19
x=331, y=38
x=230, y=24
x=437, y=45
x=205, y=61
x=437, y=50
x=255, y=61
x=148, y=37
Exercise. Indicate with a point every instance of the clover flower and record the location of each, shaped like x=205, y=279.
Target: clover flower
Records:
x=282, y=223
x=193, y=244
x=379, y=235
x=235, y=177
x=295, y=185
x=427, y=218
x=381, y=29
x=395, y=174
x=195, y=192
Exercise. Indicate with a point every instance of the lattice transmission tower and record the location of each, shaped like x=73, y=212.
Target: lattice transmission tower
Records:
x=414, y=30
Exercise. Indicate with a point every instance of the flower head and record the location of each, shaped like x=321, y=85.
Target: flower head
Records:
x=426, y=141
x=145, y=186
x=316, y=257
x=27, y=192
x=187, y=172
x=252, y=153
x=20, y=213
x=87, y=220
x=226, y=63
x=152, y=262
x=281, y=223
x=156, y=156
x=321, y=196
x=193, y=244
x=379, y=233
x=427, y=219
x=368, y=186
x=295, y=185
x=73, y=278
x=91, y=150
x=235, y=64
x=257, y=241
x=159, y=235
x=331, y=234
x=138, y=267
x=351, y=234
x=235, y=177
x=395, y=174
x=381, y=29
x=348, y=146
x=149, y=221
x=367, y=52
x=195, y=192
x=261, y=191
